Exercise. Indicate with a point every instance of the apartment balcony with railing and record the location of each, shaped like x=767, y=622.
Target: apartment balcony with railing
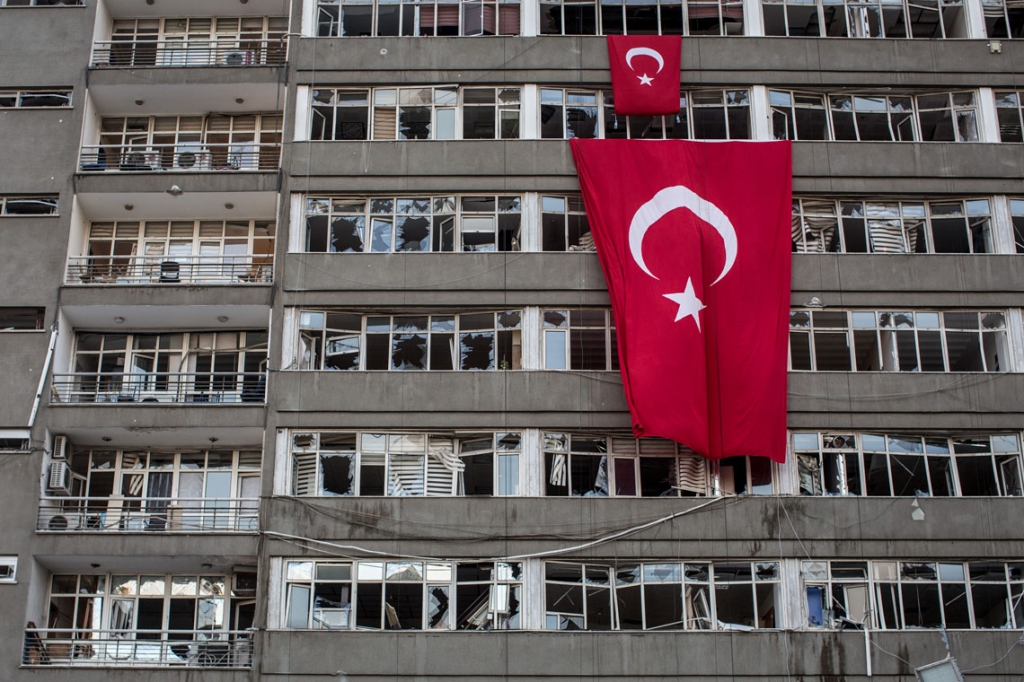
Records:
x=165, y=368
x=162, y=490
x=187, y=143
x=137, y=648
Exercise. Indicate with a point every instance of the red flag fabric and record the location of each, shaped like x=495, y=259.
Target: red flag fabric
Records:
x=694, y=239
x=645, y=74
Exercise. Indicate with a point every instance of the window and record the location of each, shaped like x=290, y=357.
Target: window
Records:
x=15, y=440
x=171, y=367
x=865, y=19
x=411, y=18
x=467, y=341
x=143, y=608
x=904, y=465
x=588, y=465
x=703, y=114
x=195, y=41
x=21, y=319
x=661, y=596
x=402, y=595
x=867, y=341
x=413, y=224
x=8, y=569
x=28, y=205
x=202, y=251
x=1003, y=18
x=423, y=113
x=580, y=339
x=346, y=463
x=1008, y=110
x=563, y=224
x=939, y=117
x=664, y=17
x=41, y=3
x=946, y=226
x=1017, y=216
x=186, y=143
x=891, y=595
x=34, y=98
x=140, y=490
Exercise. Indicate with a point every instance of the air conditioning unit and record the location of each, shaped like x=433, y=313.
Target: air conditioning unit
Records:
x=59, y=480
x=244, y=584
x=237, y=58
x=191, y=156
x=61, y=448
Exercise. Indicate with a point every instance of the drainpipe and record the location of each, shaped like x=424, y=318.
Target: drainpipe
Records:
x=42, y=378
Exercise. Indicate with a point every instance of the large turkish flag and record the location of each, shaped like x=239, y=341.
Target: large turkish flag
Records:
x=645, y=74
x=694, y=239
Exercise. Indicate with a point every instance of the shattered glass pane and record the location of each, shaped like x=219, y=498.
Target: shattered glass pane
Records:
x=408, y=351
x=437, y=607
x=476, y=351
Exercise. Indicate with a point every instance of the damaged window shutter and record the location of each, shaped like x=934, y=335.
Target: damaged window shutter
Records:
x=304, y=473
x=443, y=469
x=692, y=473
x=406, y=479
x=558, y=470
x=384, y=123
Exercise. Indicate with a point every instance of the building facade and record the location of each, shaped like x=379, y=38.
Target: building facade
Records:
x=321, y=350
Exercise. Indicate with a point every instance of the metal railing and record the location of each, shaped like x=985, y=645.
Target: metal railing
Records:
x=119, y=514
x=221, y=269
x=184, y=53
x=182, y=157
x=130, y=648
x=160, y=387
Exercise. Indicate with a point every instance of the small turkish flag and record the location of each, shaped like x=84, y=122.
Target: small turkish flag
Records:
x=645, y=74
x=694, y=239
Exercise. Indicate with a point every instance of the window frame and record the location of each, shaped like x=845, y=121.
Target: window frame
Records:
x=9, y=569
x=16, y=98
x=42, y=199
x=415, y=24
x=691, y=13
x=863, y=26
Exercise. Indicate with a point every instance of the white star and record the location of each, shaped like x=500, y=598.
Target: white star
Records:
x=645, y=80
x=689, y=304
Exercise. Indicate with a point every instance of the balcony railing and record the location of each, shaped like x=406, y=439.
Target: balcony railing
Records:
x=160, y=387
x=118, y=514
x=221, y=269
x=182, y=157
x=181, y=53
x=130, y=648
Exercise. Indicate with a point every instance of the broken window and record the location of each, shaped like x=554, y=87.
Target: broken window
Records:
x=589, y=465
x=21, y=319
x=905, y=465
x=1003, y=18
x=1008, y=111
x=860, y=19
x=8, y=569
x=406, y=18
x=798, y=116
x=1017, y=217
x=703, y=114
x=468, y=341
x=28, y=205
x=413, y=224
x=187, y=143
x=872, y=118
x=660, y=596
x=348, y=463
x=564, y=225
x=948, y=226
x=419, y=113
x=402, y=595
x=138, y=490
x=898, y=341
x=660, y=17
x=837, y=594
x=34, y=98
x=580, y=339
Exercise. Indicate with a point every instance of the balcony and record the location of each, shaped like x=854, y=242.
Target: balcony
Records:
x=183, y=157
x=140, y=270
x=179, y=53
x=82, y=648
x=159, y=387
x=117, y=514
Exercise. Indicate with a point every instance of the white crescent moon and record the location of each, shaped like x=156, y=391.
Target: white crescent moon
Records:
x=669, y=199
x=644, y=51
